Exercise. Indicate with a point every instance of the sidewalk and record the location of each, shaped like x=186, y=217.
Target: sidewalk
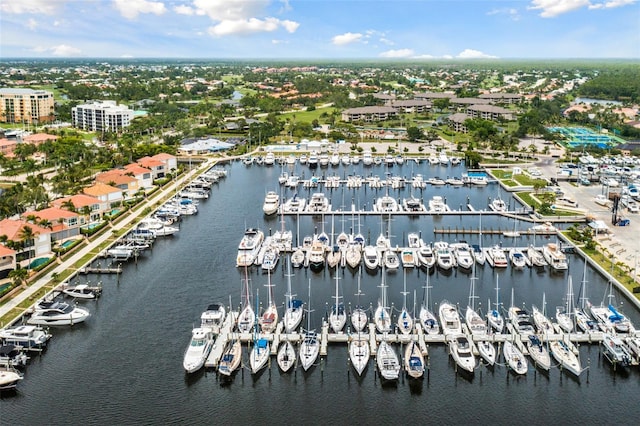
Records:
x=68, y=263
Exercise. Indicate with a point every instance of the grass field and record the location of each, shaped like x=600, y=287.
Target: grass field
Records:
x=308, y=116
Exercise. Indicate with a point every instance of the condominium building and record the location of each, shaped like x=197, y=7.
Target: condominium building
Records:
x=26, y=106
x=105, y=116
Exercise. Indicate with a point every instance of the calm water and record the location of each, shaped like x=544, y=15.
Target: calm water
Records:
x=124, y=366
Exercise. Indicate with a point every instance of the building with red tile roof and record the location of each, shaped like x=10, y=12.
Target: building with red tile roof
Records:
x=7, y=261
x=105, y=193
x=39, y=246
x=64, y=223
x=157, y=167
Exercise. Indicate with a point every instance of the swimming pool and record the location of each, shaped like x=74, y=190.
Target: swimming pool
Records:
x=67, y=243
x=38, y=262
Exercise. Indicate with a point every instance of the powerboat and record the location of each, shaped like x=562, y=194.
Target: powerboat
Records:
x=535, y=257
x=231, y=358
x=371, y=257
x=460, y=350
x=198, y=350
x=555, y=257
x=359, y=353
x=388, y=363
x=565, y=356
x=316, y=255
x=9, y=378
x=518, y=259
x=271, y=203
x=12, y=356
x=413, y=360
x=449, y=318
x=318, y=203
x=496, y=257
x=538, y=352
x=425, y=256
x=286, y=356
x=521, y=321
x=512, y=355
x=25, y=337
x=57, y=313
x=498, y=205
x=408, y=257
x=82, y=291
x=464, y=255
x=294, y=204
x=437, y=205
x=249, y=247
x=386, y=204
x=213, y=317
x=390, y=260
x=444, y=257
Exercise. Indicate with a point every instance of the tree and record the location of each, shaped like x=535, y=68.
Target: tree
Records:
x=19, y=276
x=27, y=235
x=472, y=158
x=68, y=205
x=414, y=133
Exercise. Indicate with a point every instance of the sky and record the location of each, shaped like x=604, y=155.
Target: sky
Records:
x=320, y=29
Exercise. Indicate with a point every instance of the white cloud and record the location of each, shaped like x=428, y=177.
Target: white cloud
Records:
x=130, y=9
x=552, y=8
x=511, y=13
x=231, y=10
x=399, y=53
x=250, y=26
x=183, y=9
x=425, y=56
x=611, y=4
x=32, y=24
x=346, y=38
x=46, y=7
x=64, y=51
x=473, y=54
x=386, y=41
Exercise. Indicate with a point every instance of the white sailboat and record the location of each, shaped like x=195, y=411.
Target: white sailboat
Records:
x=310, y=346
x=428, y=320
x=337, y=316
x=388, y=363
x=563, y=313
x=381, y=317
x=294, y=310
x=259, y=354
x=286, y=356
x=405, y=320
x=583, y=320
x=359, y=353
x=247, y=315
x=231, y=358
x=269, y=318
x=475, y=323
x=538, y=352
x=358, y=315
x=494, y=316
x=514, y=358
x=564, y=354
x=413, y=360
x=542, y=323
x=487, y=351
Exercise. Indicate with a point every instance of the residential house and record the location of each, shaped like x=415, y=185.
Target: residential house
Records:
x=39, y=246
x=82, y=202
x=7, y=146
x=7, y=261
x=122, y=180
x=63, y=223
x=142, y=174
x=170, y=161
x=108, y=194
x=157, y=167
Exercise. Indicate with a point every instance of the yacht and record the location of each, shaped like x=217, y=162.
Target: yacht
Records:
x=437, y=205
x=26, y=337
x=463, y=255
x=517, y=362
x=367, y=158
x=12, y=356
x=565, y=356
x=413, y=205
x=298, y=258
x=460, y=350
x=418, y=182
x=57, y=313
x=386, y=204
x=449, y=318
x=335, y=159
x=294, y=204
x=413, y=360
x=476, y=325
x=309, y=349
x=535, y=257
x=269, y=159
x=312, y=161
x=9, y=378
x=444, y=257
x=318, y=203
x=390, y=260
x=498, y=205
x=316, y=255
x=359, y=353
x=381, y=316
x=249, y=247
x=213, y=317
x=345, y=159
x=538, y=352
x=555, y=257
x=294, y=307
x=353, y=255
x=323, y=160
x=425, y=256
x=408, y=257
x=371, y=257
x=521, y=321
x=269, y=318
x=231, y=358
x=198, y=350
x=443, y=159
x=271, y=203
x=158, y=227
x=496, y=257
x=388, y=363
x=518, y=259
x=286, y=356
x=82, y=291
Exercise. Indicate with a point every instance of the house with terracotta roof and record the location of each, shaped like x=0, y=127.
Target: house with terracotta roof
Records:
x=7, y=261
x=157, y=167
x=170, y=161
x=7, y=146
x=142, y=174
x=39, y=138
x=122, y=180
x=108, y=194
x=63, y=223
x=39, y=246
x=81, y=202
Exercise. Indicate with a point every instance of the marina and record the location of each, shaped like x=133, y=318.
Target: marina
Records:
x=165, y=291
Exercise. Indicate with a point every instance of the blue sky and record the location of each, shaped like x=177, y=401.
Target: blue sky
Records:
x=341, y=29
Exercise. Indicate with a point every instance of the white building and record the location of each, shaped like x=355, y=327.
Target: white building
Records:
x=105, y=116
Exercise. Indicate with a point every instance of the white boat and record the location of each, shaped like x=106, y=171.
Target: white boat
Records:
x=413, y=360
x=633, y=343
x=259, y=355
x=449, y=318
x=494, y=316
x=231, y=358
x=544, y=228
x=269, y=318
x=316, y=255
x=535, y=257
x=286, y=356
x=538, y=352
x=381, y=316
x=249, y=247
x=82, y=291
x=246, y=319
x=294, y=204
x=213, y=317
x=563, y=313
x=542, y=323
x=390, y=260
x=555, y=257
x=158, y=227
x=318, y=203
x=25, y=337
x=496, y=257
x=294, y=308
x=269, y=159
x=408, y=257
x=437, y=205
x=565, y=356
x=514, y=358
x=323, y=160
x=418, y=182
x=334, y=256
x=405, y=320
x=602, y=200
x=478, y=254
x=582, y=319
x=371, y=257
x=517, y=257
x=386, y=204
x=359, y=353
x=460, y=350
x=9, y=378
x=367, y=158
x=444, y=256
x=310, y=346
x=428, y=320
x=498, y=205
x=270, y=258
x=476, y=325
x=464, y=255
x=487, y=351
x=57, y=313
x=353, y=255
x=359, y=317
x=388, y=363
x=426, y=256
x=521, y=321
x=337, y=316
x=443, y=159
x=12, y=356
x=609, y=318
x=271, y=203
x=297, y=258
x=198, y=350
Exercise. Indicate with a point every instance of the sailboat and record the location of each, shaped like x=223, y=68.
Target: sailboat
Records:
x=310, y=346
x=294, y=309
x=563, y=313
x=564, y=354
x=335, y=254
x=231, y=358
x=359, y=353
x=413, y=360
x=515, y=233
x=269, y=319
x=388, y=363
x=538, y=352
x=260, y=352
x=286, y=356
x=474, y=321
x=247, y=316
x=478, y=252
x=337, y=317
x=428, y=320
x=405, y=320
x=358, y=315
x=513, y=356
x=583, y=320
x=381, y=317
x=543, y=324
x=494, y=317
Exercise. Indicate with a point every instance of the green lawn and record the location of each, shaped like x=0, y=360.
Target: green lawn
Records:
x=308, y=116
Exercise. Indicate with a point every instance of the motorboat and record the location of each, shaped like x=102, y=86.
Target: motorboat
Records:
x=538, y=352
x=231, y=358
x=460, y=350
x=323, y=160
x=318, y=203
x=367, y=158
x=521, y=321
x=498, y=205
x=286, y=356
x=158, y=227
x=454, y=181
x=602, y=200
x=359, y=353
x=555, y=257
x=633, y=343
x=25, y=337
x=213, y=317
x=57, y=313
x=198, y=350
x=388, y=363
x=564, y=354
x=464, y=255
x=418, y=182
x=371, y=257
x=294, y=204
x=443, y=159
x=535, y=257
x=316, y=255
x=271, y=203
x=269, y=159
x=82, y=291
x=487, y=351
x=9, y=378
x=514, y=358
x=390, y=260
x=297, y=258
x=386, y=204
x=517, y=258
x=444, y=257
x=449, y=318
x=408, y=257
x=436, y=181
x=259, y=355
x=249, y=247
x=437, y=204
x=426, y=256
x=413, y=360
x=496, y=257
x=12, y=356
x=544, y=228
x=270, y=258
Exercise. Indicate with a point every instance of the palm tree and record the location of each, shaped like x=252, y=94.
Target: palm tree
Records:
x=68, y=205
x=19, y=276
x=27, y=235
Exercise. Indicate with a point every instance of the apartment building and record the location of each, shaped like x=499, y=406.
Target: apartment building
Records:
x=26, y=106
x=104, y=116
